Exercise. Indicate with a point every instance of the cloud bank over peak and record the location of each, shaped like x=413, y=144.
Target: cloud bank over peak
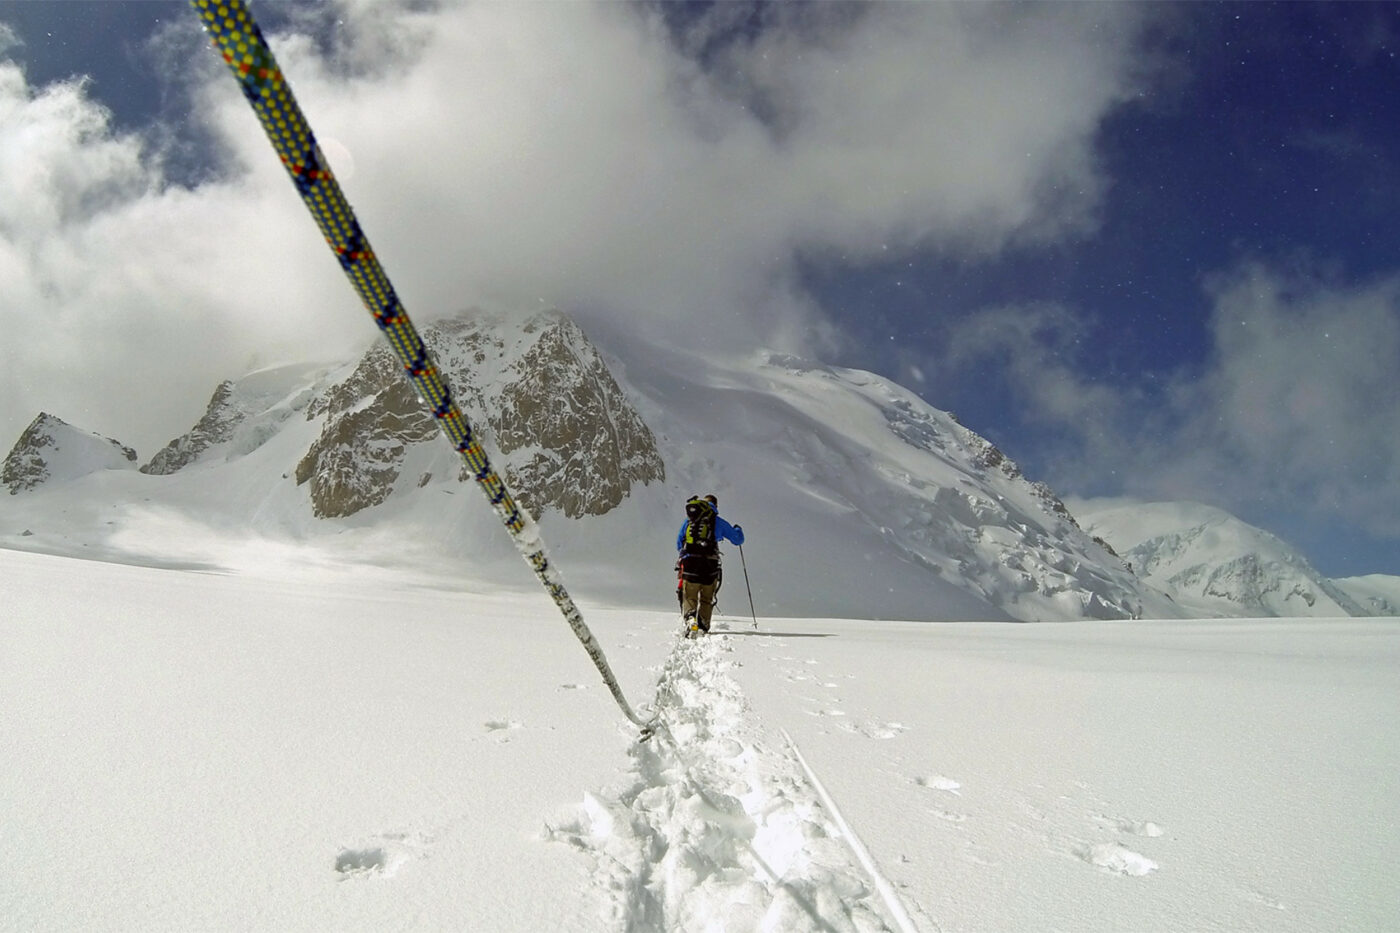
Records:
x=960, y=126
x=593, y=156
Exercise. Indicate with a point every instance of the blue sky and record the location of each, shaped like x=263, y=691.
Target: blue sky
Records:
x=1276, y=140
x=1147, y=249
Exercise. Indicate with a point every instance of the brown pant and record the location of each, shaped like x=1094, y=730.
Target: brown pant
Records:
x=698, y=598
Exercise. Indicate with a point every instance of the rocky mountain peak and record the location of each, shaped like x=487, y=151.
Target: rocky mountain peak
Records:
x=51, y=448
x=573, y=440
x=371, y=418
x=215, y=427
x=565, y=437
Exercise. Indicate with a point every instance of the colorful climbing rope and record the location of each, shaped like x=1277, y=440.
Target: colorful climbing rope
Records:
x=235, y=34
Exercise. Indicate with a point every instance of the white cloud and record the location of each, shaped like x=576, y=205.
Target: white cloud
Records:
x=1294, y=411
x=125, y=302
x=1037, y=349
x=527, y=154
x=1303, y=387
x=58, y=164
x=950, y=125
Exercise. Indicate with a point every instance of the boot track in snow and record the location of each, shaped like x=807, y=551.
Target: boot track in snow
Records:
x=716, y=830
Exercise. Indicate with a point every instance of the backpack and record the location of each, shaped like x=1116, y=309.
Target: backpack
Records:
x=700, y=549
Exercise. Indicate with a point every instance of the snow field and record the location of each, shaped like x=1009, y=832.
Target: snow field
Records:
x=321, y=745
x=1107, y=776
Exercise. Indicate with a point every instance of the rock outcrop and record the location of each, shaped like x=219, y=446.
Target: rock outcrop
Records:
x=51, y=448
x=563, y=433
x=215, y=427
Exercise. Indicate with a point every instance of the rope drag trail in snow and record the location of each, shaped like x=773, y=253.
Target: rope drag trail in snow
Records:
x=236, y=35
x=714, y=824
x=857, y=847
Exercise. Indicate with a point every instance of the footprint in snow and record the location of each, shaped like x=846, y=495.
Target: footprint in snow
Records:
x=1114, y=858
x=713, y=822
x=359, y=863
x=876, y=730
x=501, y=728
x=979, y=858
x=382, y=858
x=1129, y=827
x=724, y=749
x=939, y=782
x=1259, y=897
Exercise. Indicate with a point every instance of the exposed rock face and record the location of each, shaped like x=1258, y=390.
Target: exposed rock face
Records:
x=216, y=427
x=988, y=456
x=355, y=462
x=242, y=415
x=565, y=435
x=572, y=439
x=50, y=448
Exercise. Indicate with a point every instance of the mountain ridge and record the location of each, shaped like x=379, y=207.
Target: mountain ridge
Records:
x=859, y=498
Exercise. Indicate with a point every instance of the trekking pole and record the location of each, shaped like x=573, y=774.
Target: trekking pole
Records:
x=745, y=564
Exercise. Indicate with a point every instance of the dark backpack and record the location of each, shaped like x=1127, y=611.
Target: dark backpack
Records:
x=700, y=548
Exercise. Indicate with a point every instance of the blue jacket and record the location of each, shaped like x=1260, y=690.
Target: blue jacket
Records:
x=723, y=532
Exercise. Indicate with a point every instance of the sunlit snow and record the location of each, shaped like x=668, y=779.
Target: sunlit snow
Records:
x=334, y=746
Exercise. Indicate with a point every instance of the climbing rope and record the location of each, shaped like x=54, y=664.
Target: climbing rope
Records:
x=237, y=37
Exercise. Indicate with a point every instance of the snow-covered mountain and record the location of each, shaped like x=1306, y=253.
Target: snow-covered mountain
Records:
x=1217, y=564
x=52, y=450
x=239, y=418
x=560, y=430
x=886, y=505
x=858, y=498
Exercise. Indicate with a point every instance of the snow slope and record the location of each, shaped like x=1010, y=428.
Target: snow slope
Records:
x=882, y=505
x=1377, y=593
x=311, y=745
